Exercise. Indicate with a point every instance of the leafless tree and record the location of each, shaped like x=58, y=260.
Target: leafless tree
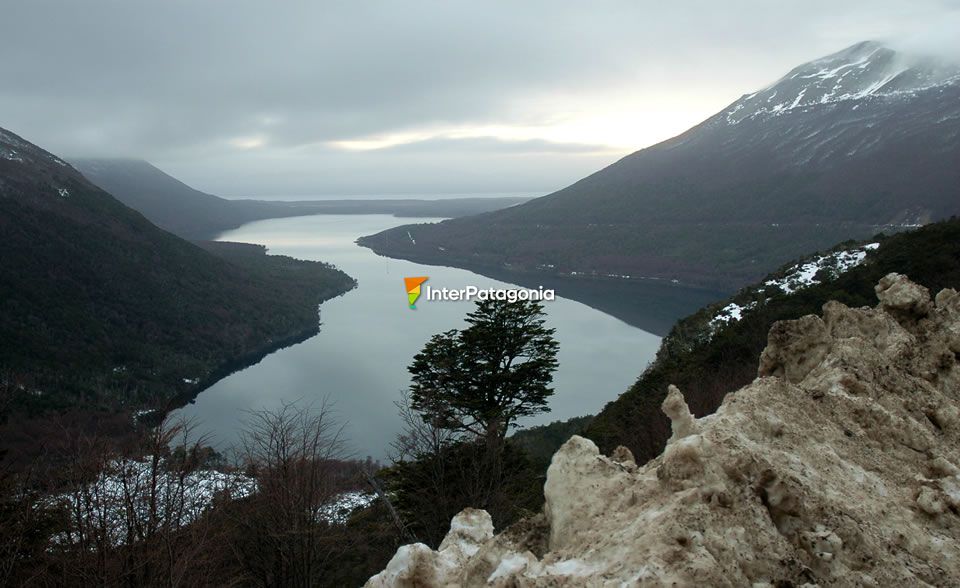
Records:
x=295, y=454
x=419, y=436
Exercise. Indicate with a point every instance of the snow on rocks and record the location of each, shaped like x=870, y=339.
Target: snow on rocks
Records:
x=865, y=71
x=798, y=277
x=338, y=511
x=837, y=466
x=805, y=274
x=10, y=154
x=730, y=313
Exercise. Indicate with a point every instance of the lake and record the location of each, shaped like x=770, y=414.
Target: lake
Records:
x=369, y=336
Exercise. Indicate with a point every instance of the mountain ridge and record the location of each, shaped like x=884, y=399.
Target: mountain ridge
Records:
x=195, y=215
x=733, y=198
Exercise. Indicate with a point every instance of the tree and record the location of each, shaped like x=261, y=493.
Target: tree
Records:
x=479, y=380
x=280, y=535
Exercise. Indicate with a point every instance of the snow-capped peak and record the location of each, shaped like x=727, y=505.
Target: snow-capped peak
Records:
x=862, y=71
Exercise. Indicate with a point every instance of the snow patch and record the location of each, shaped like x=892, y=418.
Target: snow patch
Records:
x=863, y=72
x=804, y=275
x=122, y=495
x=796, y=278
x=10, y=154
x=730, y=313
x=338, y=510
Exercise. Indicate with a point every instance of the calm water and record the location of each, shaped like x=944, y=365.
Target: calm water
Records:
x=369, y=336
x=414, y=196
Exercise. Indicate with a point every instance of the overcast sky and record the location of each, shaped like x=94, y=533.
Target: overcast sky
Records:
x=243, y=98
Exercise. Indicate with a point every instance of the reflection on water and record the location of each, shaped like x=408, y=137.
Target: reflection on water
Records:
x=369, y=336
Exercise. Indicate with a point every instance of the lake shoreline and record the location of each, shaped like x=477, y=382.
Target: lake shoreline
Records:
x=358, y=358
x=630, y=300
x=238, y=364
x=234, y=365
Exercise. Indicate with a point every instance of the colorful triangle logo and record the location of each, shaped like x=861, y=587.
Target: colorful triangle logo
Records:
x=413, y=289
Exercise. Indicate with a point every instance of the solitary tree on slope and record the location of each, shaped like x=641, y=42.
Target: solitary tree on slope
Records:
x=479, y=380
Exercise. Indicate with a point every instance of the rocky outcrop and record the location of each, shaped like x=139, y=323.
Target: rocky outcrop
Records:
x=837, y=466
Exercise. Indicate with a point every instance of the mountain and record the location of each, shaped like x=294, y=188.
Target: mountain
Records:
x=864, y=140
x=192, y=214
x=98, y=304
x=836, y=466
x=164, y=200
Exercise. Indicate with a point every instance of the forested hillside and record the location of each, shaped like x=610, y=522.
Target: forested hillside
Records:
x=707, y=358
x=98, y=306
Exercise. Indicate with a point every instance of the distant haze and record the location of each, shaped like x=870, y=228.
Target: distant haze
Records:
x=243, y=98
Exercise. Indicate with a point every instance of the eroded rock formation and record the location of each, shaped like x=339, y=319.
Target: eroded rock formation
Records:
x=838, y=465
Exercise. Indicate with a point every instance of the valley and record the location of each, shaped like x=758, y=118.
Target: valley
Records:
x=744, y=369
x=195, y=215
x=367, y=337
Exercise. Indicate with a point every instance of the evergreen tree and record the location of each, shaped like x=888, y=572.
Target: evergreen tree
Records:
x=480, y=379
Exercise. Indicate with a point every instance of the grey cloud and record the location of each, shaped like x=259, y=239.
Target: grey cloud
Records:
x=493, y=145
x=177, y=81
x=388, y=172
x=941, y=38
